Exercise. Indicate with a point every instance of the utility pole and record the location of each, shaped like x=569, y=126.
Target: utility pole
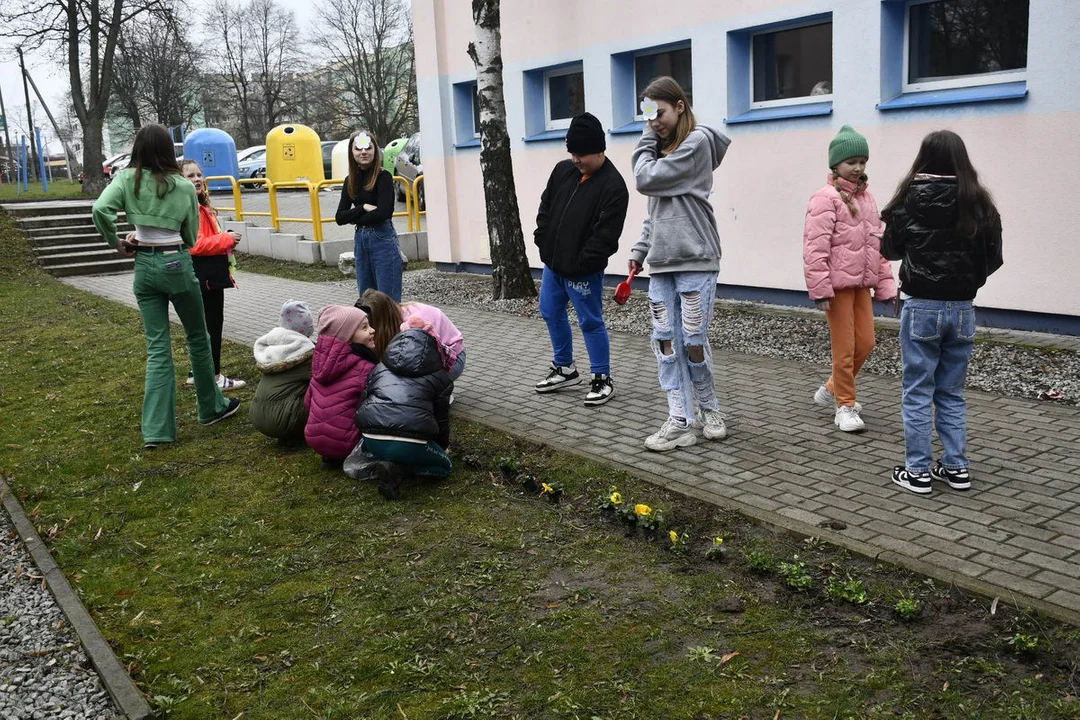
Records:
x=69, y=157
x=7, y=134
x=29, y=115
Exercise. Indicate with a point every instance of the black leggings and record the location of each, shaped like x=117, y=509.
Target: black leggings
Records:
x=214, y=309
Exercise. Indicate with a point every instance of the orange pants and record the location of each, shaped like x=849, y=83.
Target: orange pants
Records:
x=851, y=331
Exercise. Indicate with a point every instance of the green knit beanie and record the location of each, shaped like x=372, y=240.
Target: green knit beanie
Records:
x=847, y=144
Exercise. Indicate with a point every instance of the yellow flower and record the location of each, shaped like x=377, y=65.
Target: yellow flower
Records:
x=616, y=498
x=643, y=510
x=718, y=541
x=547, y=488
x=674, y=537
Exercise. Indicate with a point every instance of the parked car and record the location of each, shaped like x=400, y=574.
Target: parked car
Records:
x=115, y=164
x=246, y=153
x=409, y=164
x=254, y=165
x=327, y=157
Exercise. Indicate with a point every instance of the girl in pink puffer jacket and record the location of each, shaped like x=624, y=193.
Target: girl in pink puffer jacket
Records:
x=344, y=358
x=842, y=261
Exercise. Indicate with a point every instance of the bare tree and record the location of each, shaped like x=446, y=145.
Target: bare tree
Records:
x=369, y=48
x=87, y=32
x=509, y=265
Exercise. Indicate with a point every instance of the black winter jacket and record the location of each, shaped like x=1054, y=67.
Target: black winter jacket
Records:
x=938, y=263
x=408, y=393
x=579, y=223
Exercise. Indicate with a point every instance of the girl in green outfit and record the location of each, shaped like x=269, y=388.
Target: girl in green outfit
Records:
x=162, y=206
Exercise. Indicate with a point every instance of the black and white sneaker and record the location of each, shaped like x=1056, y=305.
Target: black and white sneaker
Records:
x=229, y=411
x=601, y=391
x=957, y=479
x=559, y=378
x=915, y=482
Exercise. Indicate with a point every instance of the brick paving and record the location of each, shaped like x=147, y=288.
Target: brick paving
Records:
x=1016, y=534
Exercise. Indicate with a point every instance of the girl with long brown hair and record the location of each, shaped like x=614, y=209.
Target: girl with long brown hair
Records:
x=367, y=201
x=386, y=316
x=673, y=167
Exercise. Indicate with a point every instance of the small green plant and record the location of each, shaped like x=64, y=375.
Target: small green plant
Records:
x=552, y=492
x=907, y=607
x=649, y=518
x=795, y=575
x=679, y=542
x=759, y=561
x=848, y=589
x=717, y=550
x=703, y=653
x=1023, y=644
x=610, y=502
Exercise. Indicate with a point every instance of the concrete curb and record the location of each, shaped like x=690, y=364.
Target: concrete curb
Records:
x=116, y=680
x=798, y=528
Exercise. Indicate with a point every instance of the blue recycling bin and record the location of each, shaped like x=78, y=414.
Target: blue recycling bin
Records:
x=215, y=151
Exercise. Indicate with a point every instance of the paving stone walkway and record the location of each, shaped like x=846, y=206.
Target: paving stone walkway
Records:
x=1016, y=534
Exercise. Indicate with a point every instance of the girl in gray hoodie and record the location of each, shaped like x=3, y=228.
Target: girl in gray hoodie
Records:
x=673, y=167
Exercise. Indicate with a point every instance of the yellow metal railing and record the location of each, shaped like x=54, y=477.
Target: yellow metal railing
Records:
x=412, y=205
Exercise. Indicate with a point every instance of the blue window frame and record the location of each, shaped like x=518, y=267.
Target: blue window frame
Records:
x=780, y=70
x=943, y=52
x=466, y=115
x=553, y=96
x=632, y=71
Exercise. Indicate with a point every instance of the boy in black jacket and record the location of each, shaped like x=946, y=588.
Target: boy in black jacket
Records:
x=578, y=226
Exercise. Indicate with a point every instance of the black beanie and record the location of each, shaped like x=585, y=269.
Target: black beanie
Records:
x=585, y=136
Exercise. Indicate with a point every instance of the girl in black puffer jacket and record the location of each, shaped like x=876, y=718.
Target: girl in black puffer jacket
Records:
x=404, y=415
x=943, y=227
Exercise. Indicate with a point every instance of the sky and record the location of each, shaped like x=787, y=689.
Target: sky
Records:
x=49, y=69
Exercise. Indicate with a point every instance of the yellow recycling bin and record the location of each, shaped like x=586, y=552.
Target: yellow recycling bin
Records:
x=293, y=154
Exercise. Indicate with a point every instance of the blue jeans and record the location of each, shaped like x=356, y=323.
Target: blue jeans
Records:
x=936, y=340
x=459, y=365
x=378, y=259
x=587, y=296
x=682, y=308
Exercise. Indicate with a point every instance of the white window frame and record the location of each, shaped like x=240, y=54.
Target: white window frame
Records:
x=962, y=81
x=561, y=123
x=675, y=48
x=785, y=102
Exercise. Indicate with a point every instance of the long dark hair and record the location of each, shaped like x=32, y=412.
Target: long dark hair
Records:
x=943, y=153
x=153, y=152
x=384, y=314
x=363, y=178
x=668, y=89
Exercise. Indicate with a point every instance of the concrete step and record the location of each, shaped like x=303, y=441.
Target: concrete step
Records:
x=118, y=264
x=54, y=221
x=84, y=256
x=35, y=233
x=93, y=244
x=47, y=208
x=66, y=239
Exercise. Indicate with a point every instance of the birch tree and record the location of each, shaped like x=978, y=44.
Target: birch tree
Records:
x=509, y=265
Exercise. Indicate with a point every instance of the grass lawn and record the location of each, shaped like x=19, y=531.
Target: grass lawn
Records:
x=319, y=272
x=58, y=190
x=236, y=579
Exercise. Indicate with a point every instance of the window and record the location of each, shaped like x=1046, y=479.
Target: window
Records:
x=631, y=73
x=956, y=43
x=675, y=63
x=792, y=65
x=564, y=96
x=466, y=115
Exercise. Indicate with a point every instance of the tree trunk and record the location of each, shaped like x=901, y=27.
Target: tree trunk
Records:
x=509, y=266
x=93, y=178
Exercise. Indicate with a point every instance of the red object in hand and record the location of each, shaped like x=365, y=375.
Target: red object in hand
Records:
x=622, y=292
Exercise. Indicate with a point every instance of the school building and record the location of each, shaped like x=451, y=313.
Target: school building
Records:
x=779, y=77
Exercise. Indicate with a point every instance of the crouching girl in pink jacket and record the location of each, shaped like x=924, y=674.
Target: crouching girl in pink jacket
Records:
x=842, y=261
x=344, y=357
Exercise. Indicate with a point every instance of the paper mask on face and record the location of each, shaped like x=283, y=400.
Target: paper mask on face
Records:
x=363, y=141
x=649, y=108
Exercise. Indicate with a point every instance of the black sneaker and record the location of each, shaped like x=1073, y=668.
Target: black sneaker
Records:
x=957, y=479
x=601, y=391
x=915, y=482
x=234, y=405
x=389, y=480
x=558, y=378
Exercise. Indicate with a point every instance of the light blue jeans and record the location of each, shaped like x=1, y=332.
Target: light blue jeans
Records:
x=682, y=308
x=378, y=259
x=586, y=294
x=936, y=340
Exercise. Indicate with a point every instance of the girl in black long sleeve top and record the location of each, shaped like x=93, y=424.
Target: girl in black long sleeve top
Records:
x=367, y=201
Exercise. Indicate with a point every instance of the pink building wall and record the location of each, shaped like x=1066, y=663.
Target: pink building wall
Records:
x=1026, y=151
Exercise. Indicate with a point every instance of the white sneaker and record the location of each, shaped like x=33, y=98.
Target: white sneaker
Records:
x=712, y=424
x=824, y=398
x=190, y=378
x=670, y=436
x=559, y=378
x=226, y=383
x=848, y=420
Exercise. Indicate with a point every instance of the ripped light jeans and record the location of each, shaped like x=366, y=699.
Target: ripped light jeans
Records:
x=682, y=308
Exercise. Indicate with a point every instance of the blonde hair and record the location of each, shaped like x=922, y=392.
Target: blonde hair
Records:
x=669, y=90
x=204, y=195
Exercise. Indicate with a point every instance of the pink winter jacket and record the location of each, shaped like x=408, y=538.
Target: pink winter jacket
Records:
x=844, y=251
x=338, y=379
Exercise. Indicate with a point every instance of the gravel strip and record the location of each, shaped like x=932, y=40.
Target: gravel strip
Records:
x=44, y=673
x=997, y=367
